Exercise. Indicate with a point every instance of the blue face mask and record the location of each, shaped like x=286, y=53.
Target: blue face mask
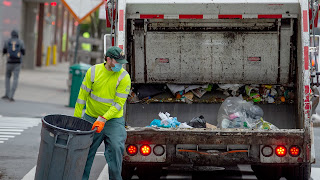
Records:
x=117, y=67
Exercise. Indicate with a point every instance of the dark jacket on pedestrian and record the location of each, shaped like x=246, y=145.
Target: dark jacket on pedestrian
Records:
x=14, y=48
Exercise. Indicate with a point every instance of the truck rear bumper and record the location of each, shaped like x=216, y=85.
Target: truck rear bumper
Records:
x=209, y=136
x=203, y=147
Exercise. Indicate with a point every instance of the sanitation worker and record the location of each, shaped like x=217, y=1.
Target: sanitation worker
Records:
x=14, y=49
x=104, y=91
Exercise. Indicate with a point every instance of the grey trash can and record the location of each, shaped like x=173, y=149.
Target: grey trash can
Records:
x=64, y=147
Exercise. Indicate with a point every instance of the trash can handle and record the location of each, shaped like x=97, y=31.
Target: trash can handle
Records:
x=62, y=143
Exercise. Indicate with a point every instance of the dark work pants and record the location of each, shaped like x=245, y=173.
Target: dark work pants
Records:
x=114, y=136
x=12, y=68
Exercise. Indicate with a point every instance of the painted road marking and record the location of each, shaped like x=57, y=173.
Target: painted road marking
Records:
x=6, y=136
x=11, y=130
x=315, y=173
x=30, y=175
x=13, y=126
x=100, y=154
x=10, y=133
x=104, y=175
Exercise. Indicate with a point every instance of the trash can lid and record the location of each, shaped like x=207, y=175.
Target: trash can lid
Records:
x=80, y=66
x=67, y=124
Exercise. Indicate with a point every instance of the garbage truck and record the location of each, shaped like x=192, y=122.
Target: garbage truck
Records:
x=198, y=42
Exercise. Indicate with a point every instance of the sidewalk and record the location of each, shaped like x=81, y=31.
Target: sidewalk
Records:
x=40, y=91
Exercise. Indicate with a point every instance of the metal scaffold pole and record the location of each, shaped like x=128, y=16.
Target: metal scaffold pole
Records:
x=77, y=45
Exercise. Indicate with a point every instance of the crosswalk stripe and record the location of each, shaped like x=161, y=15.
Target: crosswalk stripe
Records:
x=20, y=119
x=315, y=173
x=10, y=133
x=19, y=123
x=6, y=136
x=104, y=175
x=100, y=154
x=11, y=130
x=30, y=175
x=13, y=126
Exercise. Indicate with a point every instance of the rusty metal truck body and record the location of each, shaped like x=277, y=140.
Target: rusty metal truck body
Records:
x=223, y=42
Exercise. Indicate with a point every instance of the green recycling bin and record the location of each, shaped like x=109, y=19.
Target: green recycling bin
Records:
x=78, y=72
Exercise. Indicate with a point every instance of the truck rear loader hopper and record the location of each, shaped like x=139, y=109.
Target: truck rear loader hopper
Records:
x=218, y=42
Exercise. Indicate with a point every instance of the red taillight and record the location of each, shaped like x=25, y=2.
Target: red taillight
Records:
x=312, y=62
x=281, y=151
x=53, y=3
x=132, y=150
x=294, y=151
x=6, y=3
x=145, y=150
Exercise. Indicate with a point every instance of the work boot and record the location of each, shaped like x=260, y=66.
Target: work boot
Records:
x=5, y=97
x=11, y=99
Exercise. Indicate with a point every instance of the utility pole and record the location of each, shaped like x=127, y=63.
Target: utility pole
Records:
x=56, y=25
x=67, y=39
x=61, y=33
x=40, y=35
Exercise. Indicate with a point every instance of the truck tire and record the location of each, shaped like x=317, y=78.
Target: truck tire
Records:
x=127, y=172
x=267, y=172
x=149, y=172
x=301, y=172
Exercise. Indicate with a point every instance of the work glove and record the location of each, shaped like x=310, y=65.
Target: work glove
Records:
x=99, y=124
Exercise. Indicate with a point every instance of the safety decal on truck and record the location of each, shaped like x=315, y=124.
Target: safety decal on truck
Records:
x=305, y=21
x=121, y=19
x=151, y=16
x=190, y=16
x=306, y=58
x=270, y=16
x=230, y=16
x=254, y=59
x=307, y=100
x=212, y=16
x=162, y=60
x=305, y=32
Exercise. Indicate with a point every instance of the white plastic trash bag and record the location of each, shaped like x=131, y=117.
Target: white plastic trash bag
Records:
x=235, y=112
x=184, y=125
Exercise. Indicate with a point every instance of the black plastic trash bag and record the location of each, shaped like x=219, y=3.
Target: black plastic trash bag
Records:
x=149, y=91
x=198, y=122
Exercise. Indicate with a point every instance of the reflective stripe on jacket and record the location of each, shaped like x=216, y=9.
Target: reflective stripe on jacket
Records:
x=103, y=92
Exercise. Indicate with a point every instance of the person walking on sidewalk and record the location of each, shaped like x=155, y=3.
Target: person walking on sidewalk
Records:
x=104, y=91
x=14, y=48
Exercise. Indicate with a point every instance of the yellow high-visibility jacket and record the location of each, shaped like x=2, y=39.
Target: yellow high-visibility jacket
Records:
x=103, y=92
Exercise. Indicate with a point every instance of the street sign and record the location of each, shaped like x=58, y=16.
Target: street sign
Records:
x=80, y=9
